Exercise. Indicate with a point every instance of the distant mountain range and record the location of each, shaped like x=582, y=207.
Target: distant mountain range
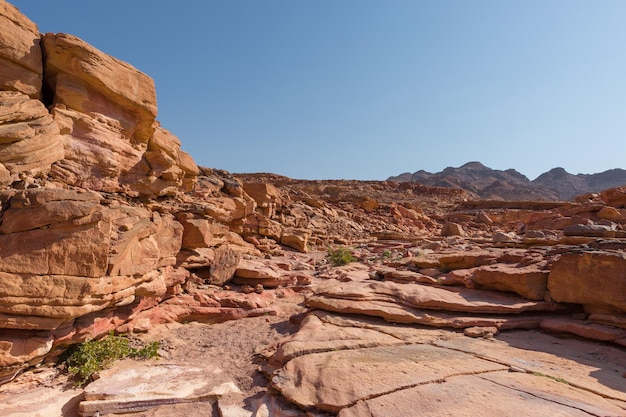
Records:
x=493, y=184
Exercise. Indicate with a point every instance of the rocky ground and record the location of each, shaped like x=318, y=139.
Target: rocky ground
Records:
x=371, y=338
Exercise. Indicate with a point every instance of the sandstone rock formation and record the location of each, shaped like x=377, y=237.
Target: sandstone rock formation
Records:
x=107, y=225
x=20, y=53
x=99, y=131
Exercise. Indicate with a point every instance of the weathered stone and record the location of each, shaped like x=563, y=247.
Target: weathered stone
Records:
x=46, y=251
x=469, y=259
x=62, y=295
x=141, y=386
x=485, y=332
x=592, y=331
x=406, y=276
x=20, y=53
x=98, y=151
x=224, y=265
x=611, y=213
x=615, y=197
x=264, y=194
x=509, y=393
x=296, y=238
x=89, y=81
x=452, y=229
x=29, y=137
x=595, y=278
x=37, y=208
x=331, y=381
x=198, y=232
x=147, y=245
x=502, y=237
x=428, y=297
x=253, y=272
x=529, y=282
x=589, y=230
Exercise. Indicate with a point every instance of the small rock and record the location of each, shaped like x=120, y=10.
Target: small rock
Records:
x=484, y=332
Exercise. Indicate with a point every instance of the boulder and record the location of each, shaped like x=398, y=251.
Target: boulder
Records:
x=591, y=230
x=612, y=214
x=266, y=273
x=296, y=238
x=502, y=237
x=265, y=195
x=615, y=197
x=452, y=229
x=468, y=259
x=197, y=231
x=529, y=282
x=596, y=279
x=224, y=265
x=20, y=53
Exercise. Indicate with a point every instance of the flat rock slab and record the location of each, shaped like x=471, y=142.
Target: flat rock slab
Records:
x=331, y=381
x=40, y=402
x=432, y=298
x=493, y=394
x=596, y=368
x=135, y=386
x=362, y=366
x=398, y=313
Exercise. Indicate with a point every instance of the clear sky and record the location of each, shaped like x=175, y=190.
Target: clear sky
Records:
x=364, y=89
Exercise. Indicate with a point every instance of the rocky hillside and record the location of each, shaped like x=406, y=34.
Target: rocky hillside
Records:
x=493, y=184
x=107, y=226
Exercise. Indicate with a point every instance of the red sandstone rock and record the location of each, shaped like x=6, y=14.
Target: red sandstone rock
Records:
x=595, y=278
x=29, y=137
x=20, y=53
x=615, y=197
x=529, y=282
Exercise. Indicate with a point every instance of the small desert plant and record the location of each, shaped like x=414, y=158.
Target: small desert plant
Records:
x=554, y=378
x=85, y=359
x=387, y=254
x=340, y=256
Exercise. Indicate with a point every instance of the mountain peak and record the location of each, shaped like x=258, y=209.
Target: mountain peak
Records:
x=474, y=165
x=556, y=184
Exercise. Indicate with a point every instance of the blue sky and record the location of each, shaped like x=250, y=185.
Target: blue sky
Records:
x=363, y=89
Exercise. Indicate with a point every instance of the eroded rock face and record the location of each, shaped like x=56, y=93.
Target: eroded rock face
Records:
x=20, y=53
x=88, y=81
x=106, y=110
x=29, y=137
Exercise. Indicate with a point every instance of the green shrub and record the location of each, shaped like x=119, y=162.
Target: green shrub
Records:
x=340, y=256
x=85, y=359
